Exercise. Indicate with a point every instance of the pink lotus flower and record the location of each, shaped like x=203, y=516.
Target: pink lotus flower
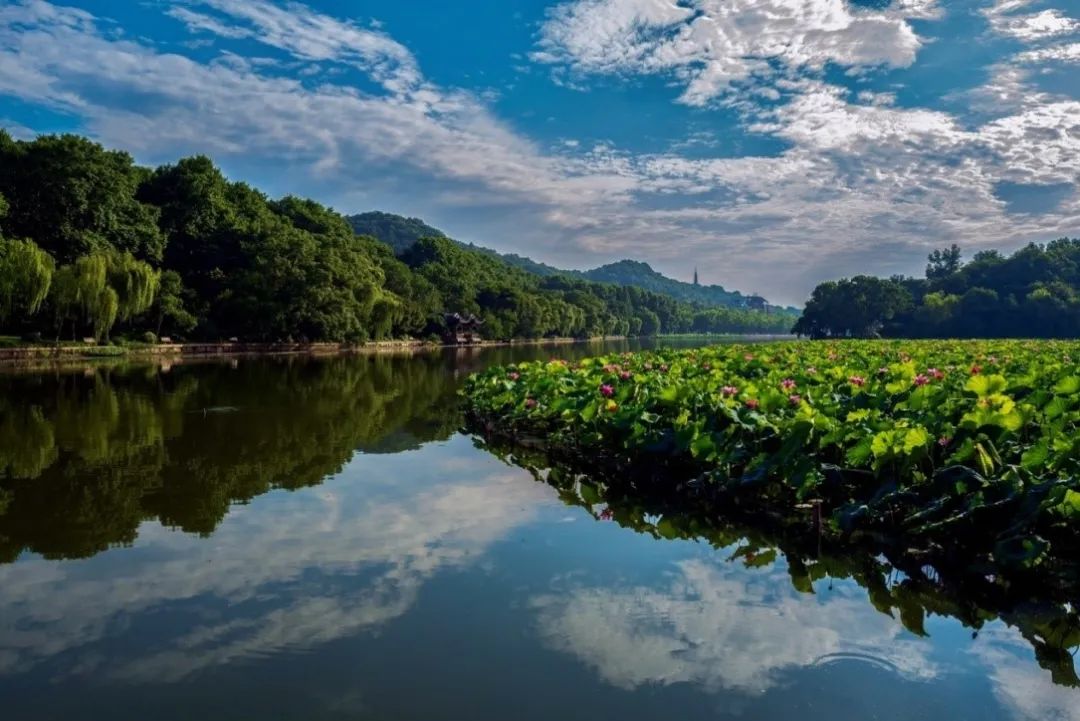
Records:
x=811, y=370
x=787, y=384
x=753, y=403
x=530, y=403
x=607, y=514
x=857, y=381
x=944, y=441
x=706, y=367
x=625, y=375
x=935, y=373
x=794, y=399
x=514, y=375
x=729, y=390
x=663, y=368
x=748, y=357
x=882, y=371
x=976, y=369
x=607, y=391
x=921, y=380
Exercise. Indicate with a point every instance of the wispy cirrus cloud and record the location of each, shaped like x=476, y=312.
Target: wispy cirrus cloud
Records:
x=308, y=35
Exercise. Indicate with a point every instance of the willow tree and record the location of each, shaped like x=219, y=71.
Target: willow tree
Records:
x=135, y=284
x=26, y=273
x=99, y=289
x=78, y=292
x=104, y=312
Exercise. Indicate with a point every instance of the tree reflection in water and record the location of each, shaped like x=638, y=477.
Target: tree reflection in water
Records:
x=86, y=455
x=1046, y=615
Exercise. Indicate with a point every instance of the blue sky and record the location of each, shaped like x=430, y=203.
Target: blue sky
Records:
x=771, y=143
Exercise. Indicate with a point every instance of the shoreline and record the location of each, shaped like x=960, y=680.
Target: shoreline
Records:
x=174, y=352
x=49, y=354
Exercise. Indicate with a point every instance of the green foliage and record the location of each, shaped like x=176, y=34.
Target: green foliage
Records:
x=395, y=230
x=26, y=273
x=1035, y=292
x=104, y=311
x=135, y=284
x=943, y=262
x=72, y=197
x=99, y=289
x=641, y=275
x=402, y=233
x=898, y=581
x=169, y=306
x=86, y=458
x=965, y=443
x=183, y=249
x=856, y=308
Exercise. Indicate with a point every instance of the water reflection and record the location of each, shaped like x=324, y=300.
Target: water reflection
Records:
x=686, y=629
x=411, y=575
x=288, y=575
x=85, y=457
x=764, y=626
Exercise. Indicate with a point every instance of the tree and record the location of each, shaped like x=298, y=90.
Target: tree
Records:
x=857, y=307
x=134, y=282
x=83, y=292
x=650, y=322
x=72, y=197
x=943, y=263
x=183, y=247
x=169, y=305
x=26, y=273
x=1035, y=292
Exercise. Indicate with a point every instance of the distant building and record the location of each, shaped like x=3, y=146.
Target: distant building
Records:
x=756, y=302
x=461, y=330
x=695, y=277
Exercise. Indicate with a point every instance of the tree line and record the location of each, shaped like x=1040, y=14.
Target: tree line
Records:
x=92, y=244
x=1032, y=293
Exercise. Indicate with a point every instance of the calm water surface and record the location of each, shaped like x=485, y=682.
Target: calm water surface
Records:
x=314, y=539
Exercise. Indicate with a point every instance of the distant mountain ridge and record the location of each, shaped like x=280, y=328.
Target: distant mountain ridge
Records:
x=635, y=272
x=397, y=231
x=400, y=233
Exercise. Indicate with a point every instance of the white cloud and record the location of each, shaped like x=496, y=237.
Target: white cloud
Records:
x=392, y=520
x=1028, y=27
x=711, y=45
x=720, y=630
x=308, y=35
x=1064, y=53
x=1026, y=690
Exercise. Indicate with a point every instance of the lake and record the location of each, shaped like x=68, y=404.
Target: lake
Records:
x=314, y=538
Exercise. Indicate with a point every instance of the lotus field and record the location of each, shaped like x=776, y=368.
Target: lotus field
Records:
x=969, y=448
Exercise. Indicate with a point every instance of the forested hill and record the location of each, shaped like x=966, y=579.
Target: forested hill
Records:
x=397, y=231
x=1033, y=293
x=642, y=275
x=92, y=244
x=400, y=233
